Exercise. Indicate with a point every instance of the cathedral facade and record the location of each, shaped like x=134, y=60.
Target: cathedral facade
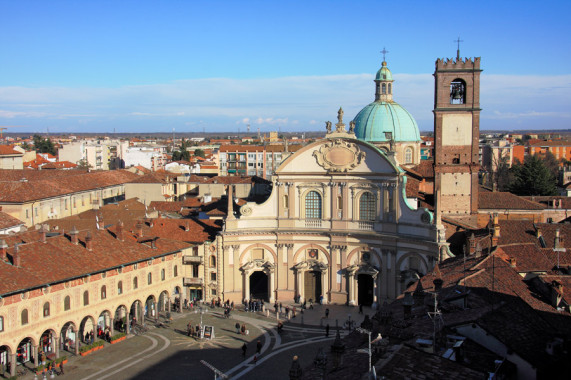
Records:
x=337, y=227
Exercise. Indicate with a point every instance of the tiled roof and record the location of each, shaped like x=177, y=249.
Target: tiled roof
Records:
x=7, y=221
x=505, y=201
x=47, y=187
x=58, y=259
x=547, y=200
x=425, y=168
x=7, y=150
x=155, y=177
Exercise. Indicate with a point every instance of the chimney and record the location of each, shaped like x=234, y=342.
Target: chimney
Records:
x=538, y=232
x=512, y=262
x=73, y=234
x=496, y=233
x=16, y=256
x=100, y=223
x=43, y=229
x=478, y=252
x=3, y=249
x=89, y=241
x=472, y=244
x=187, y=226
x=119, y=231
x=230, y=203
x=557, y=240
x=139, y=228
x=556, y=293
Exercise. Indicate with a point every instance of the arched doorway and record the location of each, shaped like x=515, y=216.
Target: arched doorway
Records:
x=48, y=343
x=312, y=285
x=365, y=288
x=177, y=298
x=68, y=336
x=163, y=301
x=5, y=357
x=87, y=326
x=150, y=307
x=120, y=320
x=136, y=312
x=24, y=351
x=103, y=323
x=259, y=289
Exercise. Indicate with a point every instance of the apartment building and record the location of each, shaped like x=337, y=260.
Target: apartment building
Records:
x=251, y=160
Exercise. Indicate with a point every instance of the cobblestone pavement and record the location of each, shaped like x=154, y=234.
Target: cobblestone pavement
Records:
x=168, y=353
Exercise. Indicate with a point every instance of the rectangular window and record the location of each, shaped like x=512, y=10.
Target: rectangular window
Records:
x=195, y=271
x=1, y=324
x=27, y=215
x=36, y=211
x=65, y=204
x=213, y=292
x=212, y=276
x=286, y=201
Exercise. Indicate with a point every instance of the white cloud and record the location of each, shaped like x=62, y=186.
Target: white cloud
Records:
x=299, y=103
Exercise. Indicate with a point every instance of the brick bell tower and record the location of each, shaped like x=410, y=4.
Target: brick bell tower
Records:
x=456, y=135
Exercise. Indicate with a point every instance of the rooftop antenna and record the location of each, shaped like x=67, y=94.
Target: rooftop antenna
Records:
x=259, y=137
x=173, y=139
x=458, y=51
x=436, y=317
x=248, y=127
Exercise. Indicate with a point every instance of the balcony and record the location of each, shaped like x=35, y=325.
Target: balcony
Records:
x=192, y=281
x=367, y=226
x=313, y=223
x=187, y=259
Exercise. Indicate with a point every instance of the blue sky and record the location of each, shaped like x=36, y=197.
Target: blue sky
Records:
x=96, y=66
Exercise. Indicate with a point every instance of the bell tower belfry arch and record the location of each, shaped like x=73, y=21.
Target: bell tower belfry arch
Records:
x=456, y=135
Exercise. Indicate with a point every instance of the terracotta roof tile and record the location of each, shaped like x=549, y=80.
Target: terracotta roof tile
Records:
x=506, y=201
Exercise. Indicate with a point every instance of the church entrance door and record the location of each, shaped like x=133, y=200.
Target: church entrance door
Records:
x=259, y=286
x=366, y=287
x=312, y=288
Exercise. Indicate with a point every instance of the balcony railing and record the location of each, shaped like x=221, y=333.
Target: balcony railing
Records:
x=364, y=225
x=187, y=259
x=313, y=223
x=192, y=281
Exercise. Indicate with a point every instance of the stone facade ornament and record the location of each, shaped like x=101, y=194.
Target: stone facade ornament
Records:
x=246, y=210
x=257, y=264
x=312, y=265
x=339, y=156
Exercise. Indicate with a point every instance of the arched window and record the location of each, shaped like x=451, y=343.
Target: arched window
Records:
x=120, y=287
x=408, y=156
x=390, y=88
x=135, y=283
x=163, y=275
x=367, y=206
x=25, y=317
x=313, y=205
x=1, y=324
x=103, y=292
x=67, y=303
x=85, y=298
x=149, y=278
x=384, y=88
x=212, y=261
x=175, y=271
x=47, y=309
x=458, y=91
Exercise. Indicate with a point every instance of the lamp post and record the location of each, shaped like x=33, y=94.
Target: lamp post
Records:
x=363, y=331
x=202, y=311
x=320, y=361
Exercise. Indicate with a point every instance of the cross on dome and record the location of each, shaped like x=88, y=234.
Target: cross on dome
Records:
x=384, y=51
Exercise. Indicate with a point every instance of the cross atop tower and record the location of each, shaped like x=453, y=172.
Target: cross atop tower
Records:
x=384, y=51
x=458, y=51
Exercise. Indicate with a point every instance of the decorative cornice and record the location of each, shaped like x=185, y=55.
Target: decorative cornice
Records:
x=339, y=155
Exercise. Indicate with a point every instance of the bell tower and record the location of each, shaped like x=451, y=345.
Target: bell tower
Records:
x=456, y=135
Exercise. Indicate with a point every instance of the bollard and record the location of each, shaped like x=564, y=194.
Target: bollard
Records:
x=267, y=313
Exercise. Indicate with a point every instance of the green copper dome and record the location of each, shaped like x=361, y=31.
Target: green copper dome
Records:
x=374, y=120
x=384, y=73
x=385, y=115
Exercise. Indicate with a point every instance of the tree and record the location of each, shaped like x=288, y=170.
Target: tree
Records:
x=532, y=177
x=199, y=153
x=552, y=164
x=503, y=177
x=43, y=145
x=83, y=164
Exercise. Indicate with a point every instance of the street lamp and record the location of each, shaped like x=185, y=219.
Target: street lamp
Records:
x=337, y=348
x=363, y=331
x=202, y=311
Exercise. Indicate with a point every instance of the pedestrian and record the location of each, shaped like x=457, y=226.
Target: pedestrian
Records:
x=327, y=330
x=361, y=309
x=293, y=310
x=243, y=329
x=87, y=337
x=259, y=347
x=326, y=313
x=280, y=307
x=321, y=299
x=255, y=359
x=244, y=349
x=237, y=325
x=61, y=368
x=232, y=305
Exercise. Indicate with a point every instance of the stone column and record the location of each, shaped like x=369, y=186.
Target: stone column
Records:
x=292, y=200
x=272, y=285
x=345, y=192
x=111, y=326
x=246, y=287
x=290, y=282
x=127, y=325
x=56, y=346
x=334, y=205
x=12, y=359
x=35, y=355
x=384, y=275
